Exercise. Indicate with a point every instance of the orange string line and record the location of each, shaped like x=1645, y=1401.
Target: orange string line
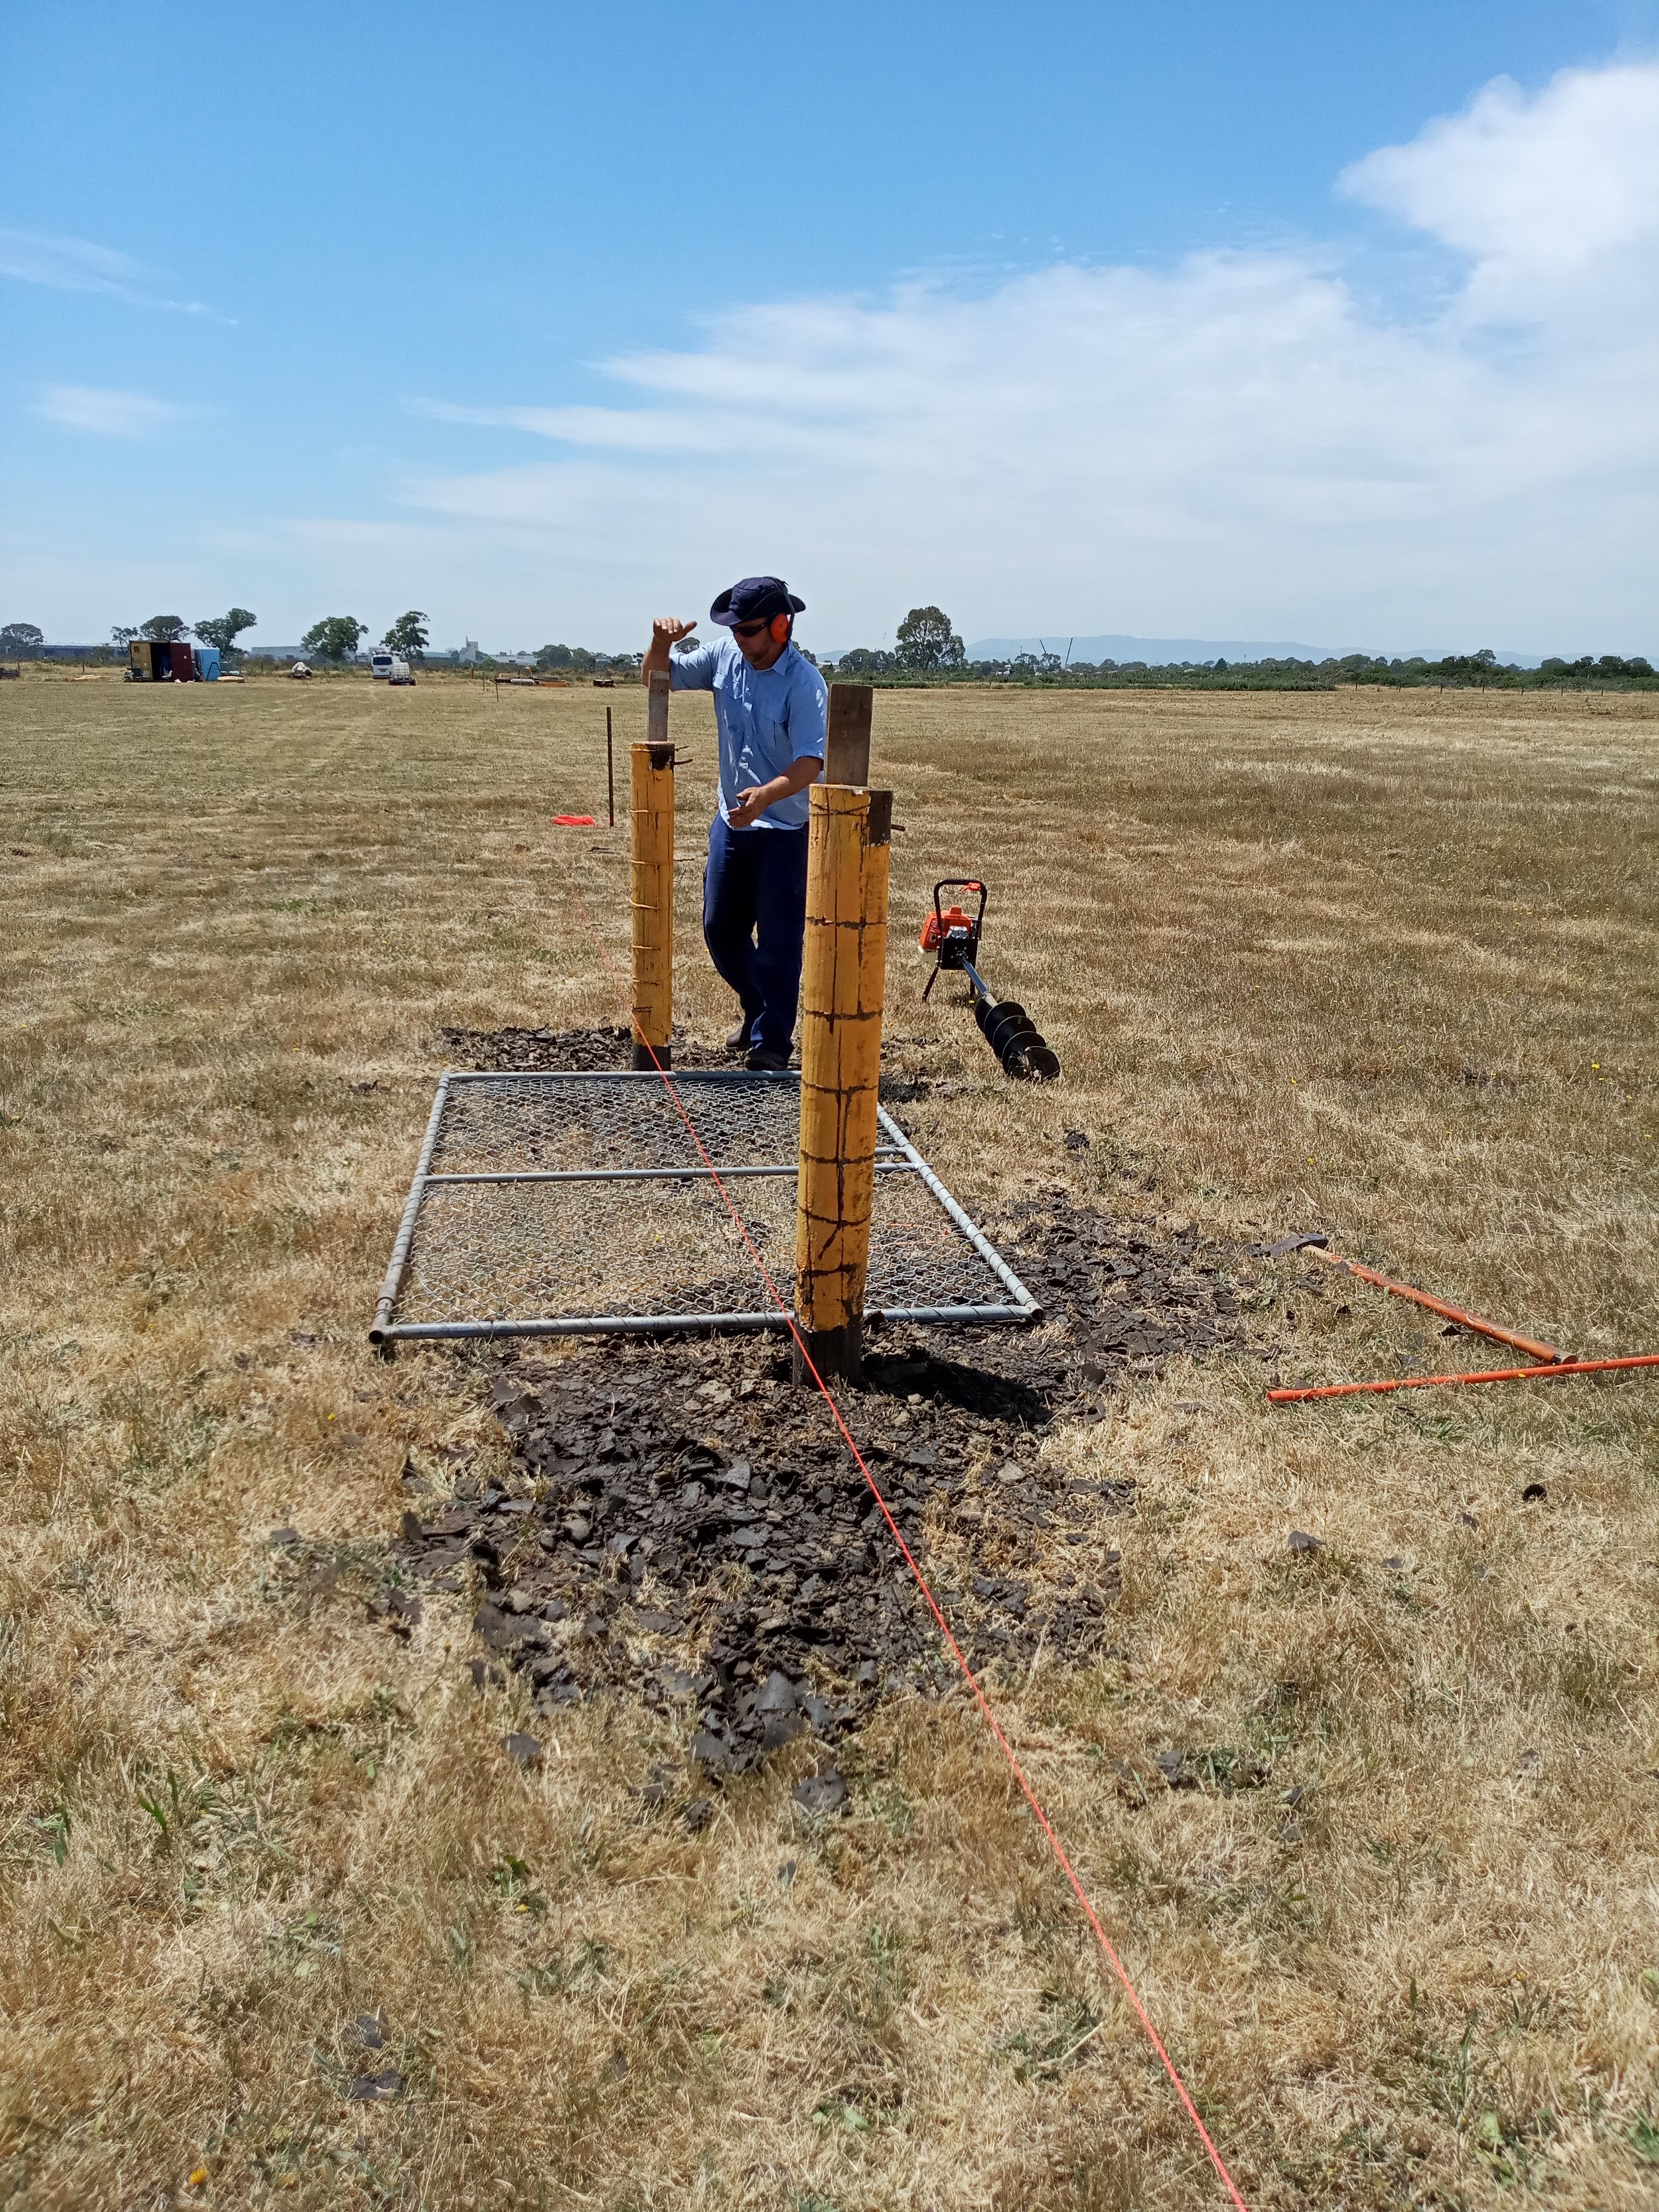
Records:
x=921, y=1582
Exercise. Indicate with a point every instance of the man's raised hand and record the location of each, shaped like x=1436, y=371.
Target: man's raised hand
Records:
x=666, y=631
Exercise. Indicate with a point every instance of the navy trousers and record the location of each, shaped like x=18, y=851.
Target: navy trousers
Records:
x=754, y=918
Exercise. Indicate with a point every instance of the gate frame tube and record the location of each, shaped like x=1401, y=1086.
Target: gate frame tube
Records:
x=385, y=1334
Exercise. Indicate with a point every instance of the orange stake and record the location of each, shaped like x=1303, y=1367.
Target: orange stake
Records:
x=1549, y=1374
x=1533, y=1349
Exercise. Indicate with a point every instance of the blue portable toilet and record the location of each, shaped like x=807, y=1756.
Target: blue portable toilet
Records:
x=207, y=663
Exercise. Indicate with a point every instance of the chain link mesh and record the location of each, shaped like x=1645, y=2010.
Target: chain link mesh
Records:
x=512, y=1123
x=548, y=1253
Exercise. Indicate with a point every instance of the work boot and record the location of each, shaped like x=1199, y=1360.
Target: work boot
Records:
x=738, y=1040
x=761, y=1062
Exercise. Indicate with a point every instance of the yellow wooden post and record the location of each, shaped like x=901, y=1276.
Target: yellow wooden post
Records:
x=652, y=793
x=843, y=988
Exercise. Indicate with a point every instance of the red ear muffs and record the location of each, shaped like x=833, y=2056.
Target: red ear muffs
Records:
x=779, y=628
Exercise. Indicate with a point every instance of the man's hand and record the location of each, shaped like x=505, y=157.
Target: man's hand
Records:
x=752, y=803
x=755, y=797
x=665, y=631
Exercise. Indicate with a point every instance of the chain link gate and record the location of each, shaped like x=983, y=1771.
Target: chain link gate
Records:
x=564, y=1202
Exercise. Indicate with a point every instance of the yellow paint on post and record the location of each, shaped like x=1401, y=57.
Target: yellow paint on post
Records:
x=652, y=794
x=843, y=989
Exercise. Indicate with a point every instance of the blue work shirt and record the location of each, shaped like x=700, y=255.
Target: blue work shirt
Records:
x=768, y=718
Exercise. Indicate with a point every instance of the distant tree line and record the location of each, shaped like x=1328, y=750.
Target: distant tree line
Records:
x=577, y=661
x=333, y=641
x=927, y=651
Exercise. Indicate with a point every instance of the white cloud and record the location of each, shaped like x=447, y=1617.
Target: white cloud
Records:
x=106, y=414
x=658, y=432
x=77, y=264
x=349, y=538
x=1560, y=191
x=1242, y=444
x=1236, y=447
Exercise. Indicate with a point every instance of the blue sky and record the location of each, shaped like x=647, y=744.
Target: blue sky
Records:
x=1072, y=318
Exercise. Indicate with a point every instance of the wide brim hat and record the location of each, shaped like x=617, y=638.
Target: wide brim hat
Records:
x=755, y=600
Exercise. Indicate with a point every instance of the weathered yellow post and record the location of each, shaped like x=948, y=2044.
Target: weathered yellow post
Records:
x=652, y=793
x=843, y=988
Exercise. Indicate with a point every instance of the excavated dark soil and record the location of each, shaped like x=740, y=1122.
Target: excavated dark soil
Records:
x=684, y=1519
x=593, y=1049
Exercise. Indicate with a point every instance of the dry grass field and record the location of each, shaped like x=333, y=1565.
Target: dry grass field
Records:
x=1383, y=963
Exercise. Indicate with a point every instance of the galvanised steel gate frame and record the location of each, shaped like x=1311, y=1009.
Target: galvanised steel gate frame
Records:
x=960, y=1247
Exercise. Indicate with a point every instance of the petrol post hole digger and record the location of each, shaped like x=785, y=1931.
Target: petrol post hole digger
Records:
x=952, y=935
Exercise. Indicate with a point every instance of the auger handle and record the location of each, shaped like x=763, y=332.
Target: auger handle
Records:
x=961, y=884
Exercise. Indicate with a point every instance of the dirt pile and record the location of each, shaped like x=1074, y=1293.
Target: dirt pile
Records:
x=683, y=1519
x=686, y=1520
x=692, y=1523
x=1118, y=1293
x=588, y=1049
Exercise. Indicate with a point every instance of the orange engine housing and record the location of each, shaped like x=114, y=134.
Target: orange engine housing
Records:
x=937, y=926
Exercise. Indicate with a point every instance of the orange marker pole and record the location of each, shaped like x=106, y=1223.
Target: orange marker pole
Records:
x=1549, y=1374
x=1530, y=1345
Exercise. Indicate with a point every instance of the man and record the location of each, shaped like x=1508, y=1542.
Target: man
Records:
x=771, y=709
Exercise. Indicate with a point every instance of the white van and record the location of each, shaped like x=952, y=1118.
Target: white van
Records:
x=381, y=664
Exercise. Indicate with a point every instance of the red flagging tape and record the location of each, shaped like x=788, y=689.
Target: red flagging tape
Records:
x=575, y=822
x=943, y=1626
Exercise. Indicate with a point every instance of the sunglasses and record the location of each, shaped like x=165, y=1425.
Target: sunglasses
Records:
x=750, y=629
